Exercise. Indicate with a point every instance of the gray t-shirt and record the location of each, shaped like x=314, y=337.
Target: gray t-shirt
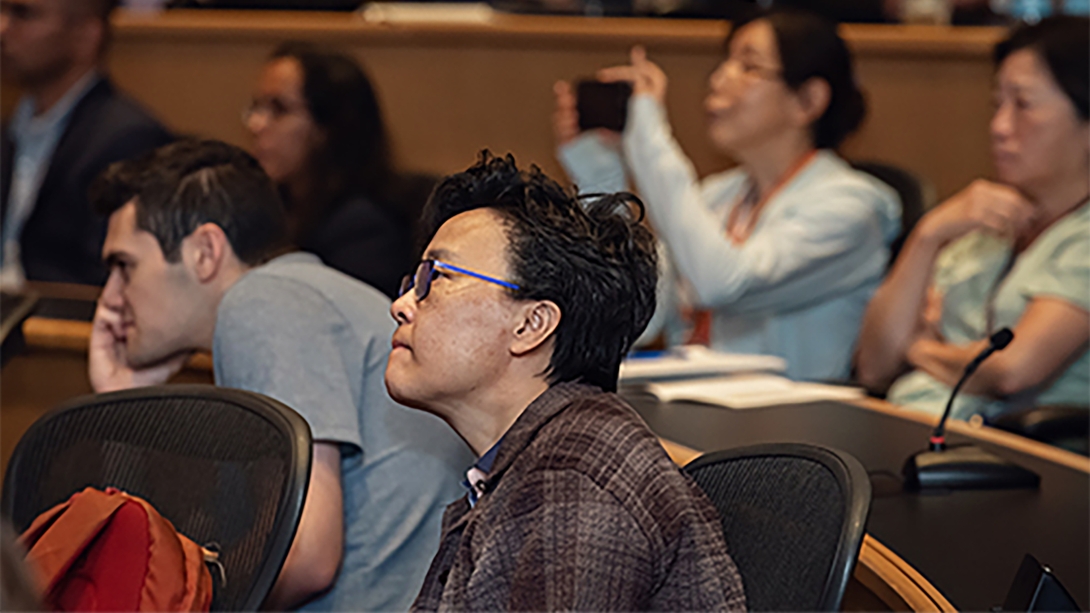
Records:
x=317, y=340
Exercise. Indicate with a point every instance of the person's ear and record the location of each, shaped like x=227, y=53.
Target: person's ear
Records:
x=205, y=251
x=536, y=324
x=813, y=99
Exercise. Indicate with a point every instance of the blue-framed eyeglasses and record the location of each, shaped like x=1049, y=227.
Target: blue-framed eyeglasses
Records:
x=427, y=271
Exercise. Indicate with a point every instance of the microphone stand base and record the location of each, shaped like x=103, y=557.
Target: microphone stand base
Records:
x=964, y=467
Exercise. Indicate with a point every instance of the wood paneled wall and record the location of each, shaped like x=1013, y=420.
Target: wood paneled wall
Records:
x=449, y=90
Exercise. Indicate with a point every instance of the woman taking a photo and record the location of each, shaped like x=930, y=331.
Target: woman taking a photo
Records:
x=785, y=250
x=1011, y=253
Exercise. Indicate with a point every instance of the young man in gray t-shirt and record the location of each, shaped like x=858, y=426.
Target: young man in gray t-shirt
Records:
x=197, y=255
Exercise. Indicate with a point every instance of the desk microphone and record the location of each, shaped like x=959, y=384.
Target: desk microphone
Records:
x=965, y=466
x=996, y=342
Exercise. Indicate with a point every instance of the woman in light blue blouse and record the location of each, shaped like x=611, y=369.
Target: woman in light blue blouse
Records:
x=786, y=249
x=1011, y=253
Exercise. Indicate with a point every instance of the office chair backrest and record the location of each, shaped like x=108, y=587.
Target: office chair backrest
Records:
x=916, y=194
x=228, y=468
x=1063, y=426
x=793, y=517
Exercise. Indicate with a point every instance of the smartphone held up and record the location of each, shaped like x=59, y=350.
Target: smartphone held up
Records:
x=602, y=105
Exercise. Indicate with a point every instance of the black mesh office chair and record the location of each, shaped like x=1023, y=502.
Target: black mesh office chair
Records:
x=916, y=194
x=226, y=467
x=793, y=517
x=1067, y=427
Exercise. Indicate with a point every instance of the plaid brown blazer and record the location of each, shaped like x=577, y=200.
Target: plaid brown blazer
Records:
x=583, y=511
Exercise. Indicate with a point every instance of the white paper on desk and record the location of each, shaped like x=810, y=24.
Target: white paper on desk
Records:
x=697, y=361
x=751, y=391
x=432, y=12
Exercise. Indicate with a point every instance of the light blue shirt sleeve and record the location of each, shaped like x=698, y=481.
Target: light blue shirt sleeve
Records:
x=810, y=256
x=594, y=166
x=278, y=337
x=1066, y=275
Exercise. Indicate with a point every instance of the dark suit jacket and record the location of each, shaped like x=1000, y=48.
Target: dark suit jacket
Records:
x=584, y=511
x=62, y=238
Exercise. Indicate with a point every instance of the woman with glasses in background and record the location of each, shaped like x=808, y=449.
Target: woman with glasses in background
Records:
x=785, y=250
x=318, y=132
x=1014, y=252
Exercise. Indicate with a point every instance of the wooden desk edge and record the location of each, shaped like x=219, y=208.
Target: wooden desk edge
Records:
x=680, y=454
x=920, y=40
x=683, y=455
x=895, y=581
x=67, y=335
x=983, y=433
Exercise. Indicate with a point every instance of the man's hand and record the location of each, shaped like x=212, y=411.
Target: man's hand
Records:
x=982, y=205
x=644, y=75
x=108, y=364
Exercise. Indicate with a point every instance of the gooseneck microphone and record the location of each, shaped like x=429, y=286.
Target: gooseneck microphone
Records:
x=996, y=342
x=965, y=466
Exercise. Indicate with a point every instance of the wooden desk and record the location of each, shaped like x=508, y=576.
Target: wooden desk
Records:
x=448, y=90
x=967, y=544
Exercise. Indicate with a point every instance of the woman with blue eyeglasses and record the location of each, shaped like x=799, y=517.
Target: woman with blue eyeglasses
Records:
x=782, y=253
x=430, y=268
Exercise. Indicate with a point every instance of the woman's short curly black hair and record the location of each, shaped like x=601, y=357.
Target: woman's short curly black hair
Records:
x=589, y=255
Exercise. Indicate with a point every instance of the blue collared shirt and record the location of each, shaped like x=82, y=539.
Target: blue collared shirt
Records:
x=474, y=481
x=35, y=139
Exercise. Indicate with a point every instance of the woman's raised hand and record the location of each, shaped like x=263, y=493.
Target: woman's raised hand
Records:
x=644, y=75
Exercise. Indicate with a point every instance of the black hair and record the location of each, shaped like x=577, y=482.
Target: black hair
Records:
x=1062, y=42
x=180, y=186
x=590, y=256
x=810, y=48
x=355, y=159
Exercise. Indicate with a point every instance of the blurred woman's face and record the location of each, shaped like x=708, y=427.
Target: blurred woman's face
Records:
x=747, y=101
x=283, y=130
x=1038, y=137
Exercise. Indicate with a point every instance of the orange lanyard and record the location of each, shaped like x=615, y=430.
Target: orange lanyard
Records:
x=738, y=230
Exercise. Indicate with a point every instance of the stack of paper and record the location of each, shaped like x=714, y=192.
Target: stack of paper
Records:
x=696, y=361
x=751, y=391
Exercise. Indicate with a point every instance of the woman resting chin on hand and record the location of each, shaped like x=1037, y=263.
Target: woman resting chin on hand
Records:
x=1013, y=253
